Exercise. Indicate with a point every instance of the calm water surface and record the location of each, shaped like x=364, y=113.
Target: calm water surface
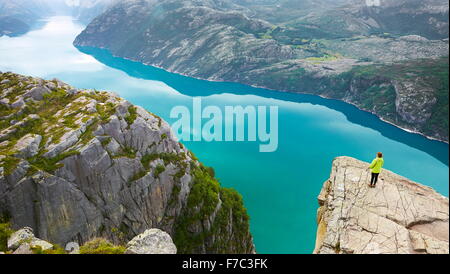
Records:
x=280, y=188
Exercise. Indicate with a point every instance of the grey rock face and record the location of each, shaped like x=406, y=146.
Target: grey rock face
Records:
x=398, y=216
x=112, y=173
x=152, y=241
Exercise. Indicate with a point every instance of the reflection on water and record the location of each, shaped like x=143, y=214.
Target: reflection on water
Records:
x=195, y=87
x=280, y=188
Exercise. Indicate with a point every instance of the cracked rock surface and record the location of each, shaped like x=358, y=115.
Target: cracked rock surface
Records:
x=397, y=217
x=81, y=164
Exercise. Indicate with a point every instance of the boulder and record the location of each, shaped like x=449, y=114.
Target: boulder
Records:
x=152, y=241
x=37, y=93
x=28, y=145
x=20, y=236
x=24, y=249
x=72, y=248
x=22, y=240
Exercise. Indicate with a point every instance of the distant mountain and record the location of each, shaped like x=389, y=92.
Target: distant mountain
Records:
x=18, y=16
x=427, y=18
x=400, y=75
x=87, y=10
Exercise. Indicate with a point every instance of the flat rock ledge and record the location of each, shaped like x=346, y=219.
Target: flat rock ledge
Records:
x=397, y=217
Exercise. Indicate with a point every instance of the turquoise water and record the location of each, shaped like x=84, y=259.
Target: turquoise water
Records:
x=280, y=188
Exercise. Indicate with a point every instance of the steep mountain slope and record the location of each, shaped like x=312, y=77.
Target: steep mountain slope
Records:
x=397, y=217
x=78, y=164
x=209, y=41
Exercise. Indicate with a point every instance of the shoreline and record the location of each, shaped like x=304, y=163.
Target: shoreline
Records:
x=275, y=90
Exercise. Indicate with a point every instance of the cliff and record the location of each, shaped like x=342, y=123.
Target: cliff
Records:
x=400, y=77
x=398, y=216
x=79, y=164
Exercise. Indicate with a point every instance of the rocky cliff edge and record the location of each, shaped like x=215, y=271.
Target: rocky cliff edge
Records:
x=398, y=216
x=80, y=164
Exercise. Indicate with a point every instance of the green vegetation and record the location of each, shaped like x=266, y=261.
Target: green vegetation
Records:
x=158, y=170
x=55, y=250
x=105, y=111
x=5, y=233
x=101, y=246
x=127, y=152
x=9, y=164
x=147, y=159
x=202, y=202
x=324, y=58
x=51, y=164
x=105, y=142
x=132, y=115
x=138, y=175
x=426, y=73
x=88, y=134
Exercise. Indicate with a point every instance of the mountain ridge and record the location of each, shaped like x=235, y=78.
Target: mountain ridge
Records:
x=230, y=46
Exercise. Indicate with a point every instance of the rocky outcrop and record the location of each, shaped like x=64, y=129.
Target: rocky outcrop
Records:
x=152, y=241
x=398, y=216
x=23, y=241
x=79, y=164
x=223, y=42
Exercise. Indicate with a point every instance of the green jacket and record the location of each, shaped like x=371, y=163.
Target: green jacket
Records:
x=376, y=165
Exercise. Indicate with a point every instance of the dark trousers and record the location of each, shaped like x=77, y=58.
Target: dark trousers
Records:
x=374, y=179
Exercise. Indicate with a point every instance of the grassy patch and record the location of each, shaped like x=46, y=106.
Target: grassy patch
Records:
x=101, y=246
x=5, y=233
x=127, y=152
x=9, y=164
x=52, y=164
x=132, y=115
x=105, y=111
x=147, y=159
x=55, y=250
x=158, y=170
x=138, y=175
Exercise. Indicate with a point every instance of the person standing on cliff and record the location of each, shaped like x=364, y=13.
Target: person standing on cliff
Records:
x=376, y=166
